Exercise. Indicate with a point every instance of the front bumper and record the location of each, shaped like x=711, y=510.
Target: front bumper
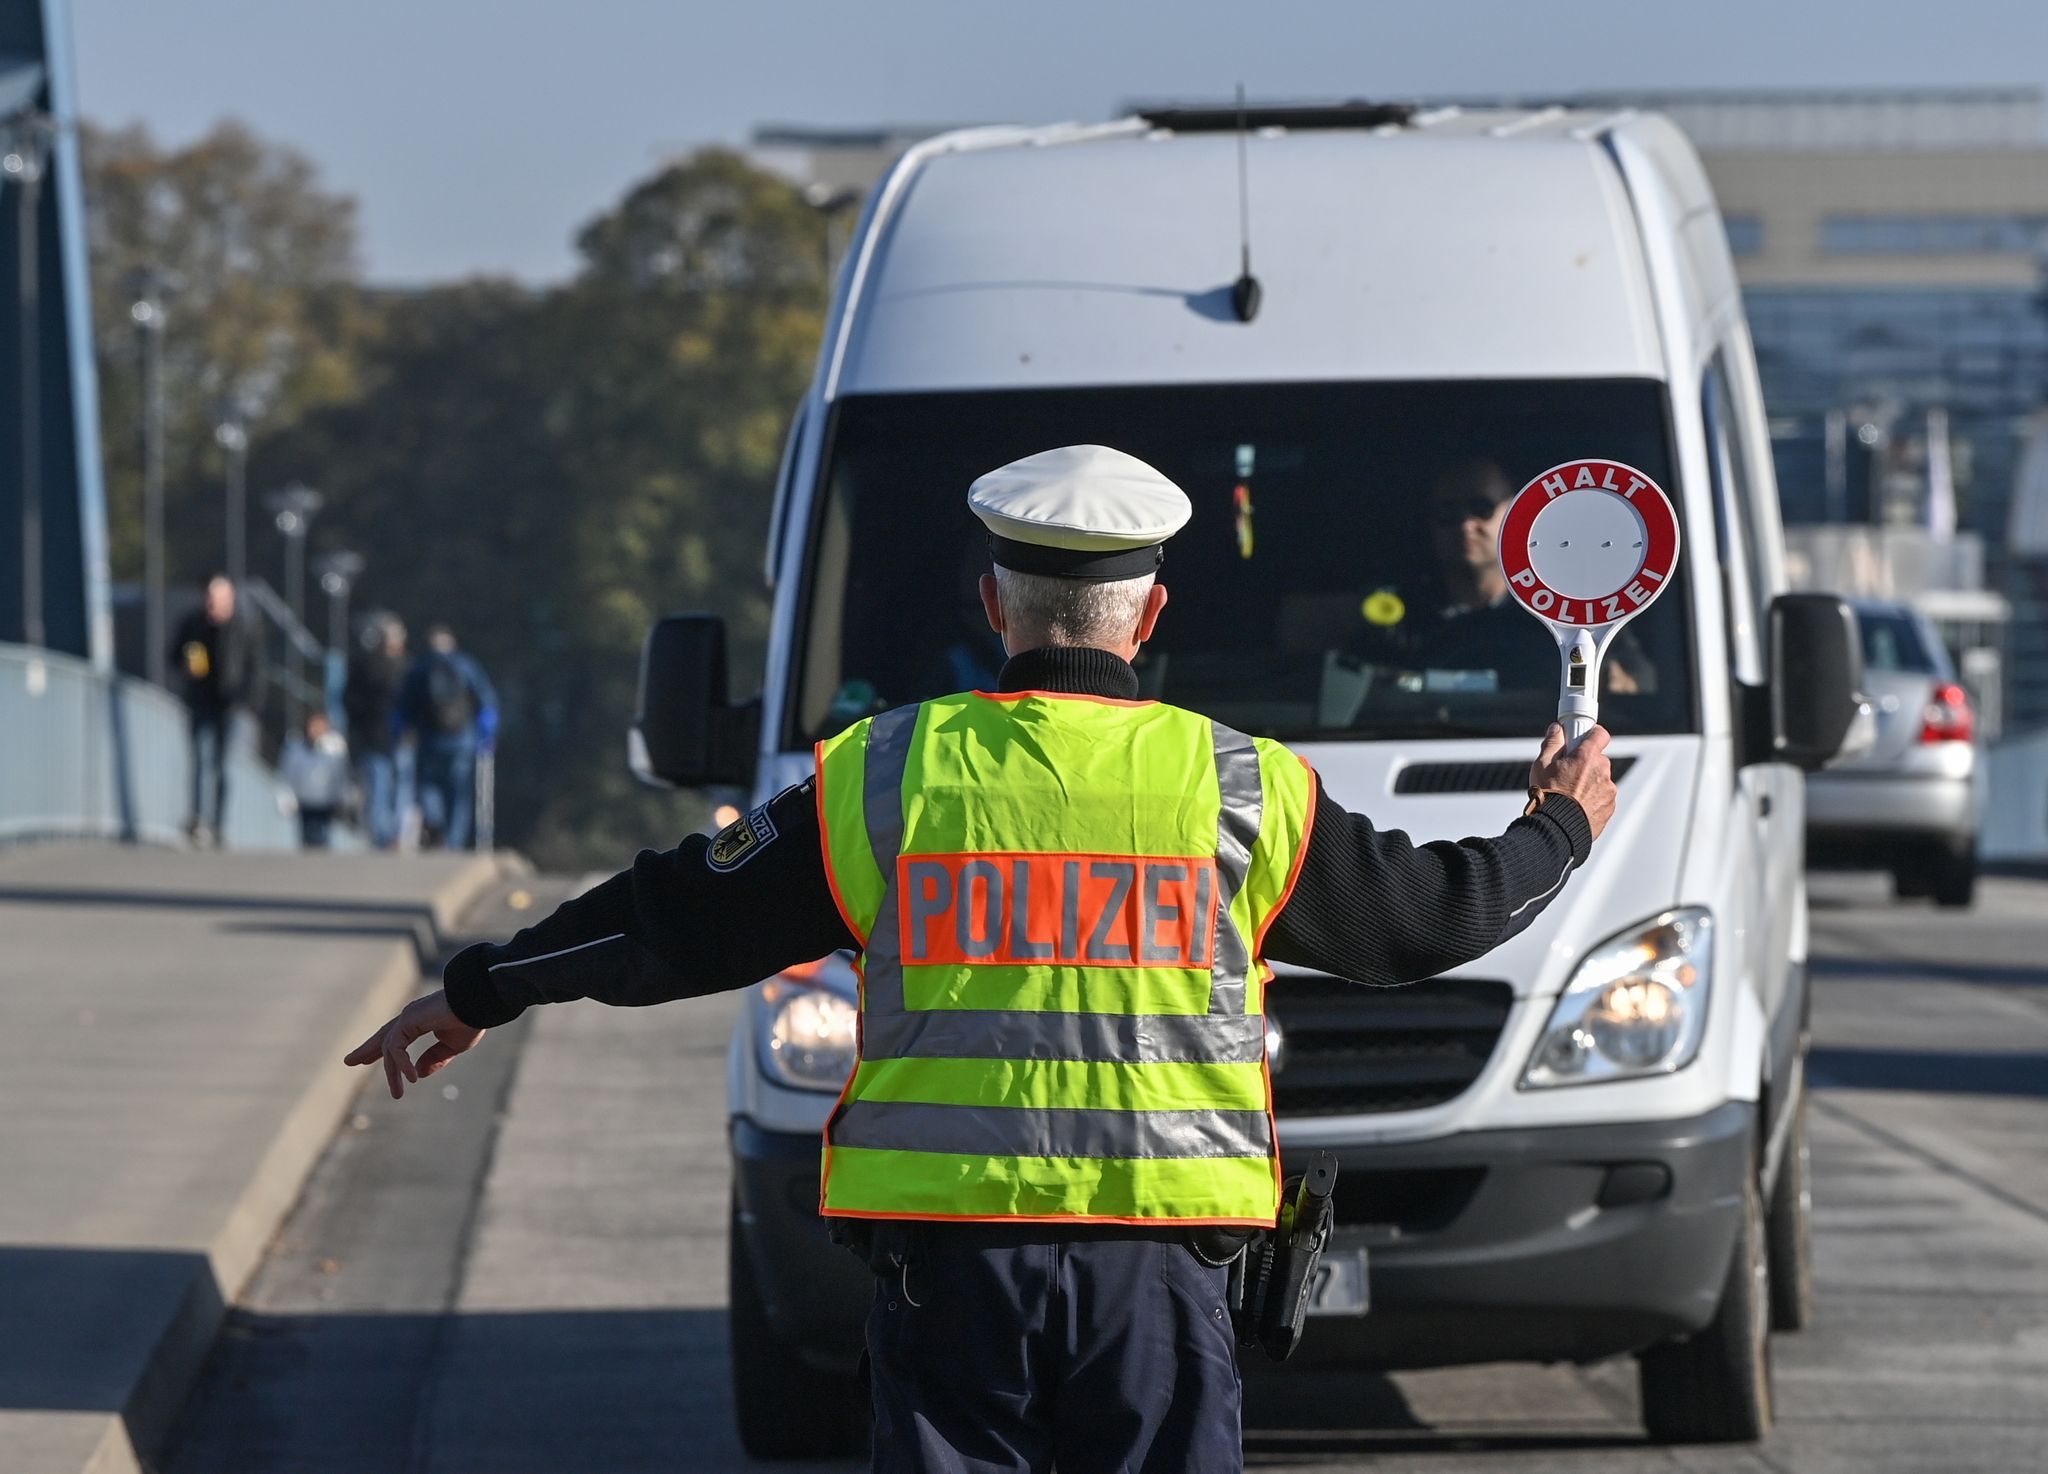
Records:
x=1552, y=1244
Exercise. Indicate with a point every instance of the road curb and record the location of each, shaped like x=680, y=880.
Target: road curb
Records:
x=131, y=1438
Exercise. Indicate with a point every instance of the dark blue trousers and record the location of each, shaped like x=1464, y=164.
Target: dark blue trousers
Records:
x=1006, y=1349
x=444, y=772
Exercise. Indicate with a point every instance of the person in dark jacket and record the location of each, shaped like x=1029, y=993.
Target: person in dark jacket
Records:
x=447, y=706
x=369, y=701
x=214, y=656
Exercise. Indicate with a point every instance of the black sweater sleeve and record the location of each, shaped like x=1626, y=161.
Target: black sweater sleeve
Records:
x=1367, y=905
x=679, y=924
x=1373, y=906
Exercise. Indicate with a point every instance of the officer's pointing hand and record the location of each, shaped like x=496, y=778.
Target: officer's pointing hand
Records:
x=393, y=1043
x=1581, y=773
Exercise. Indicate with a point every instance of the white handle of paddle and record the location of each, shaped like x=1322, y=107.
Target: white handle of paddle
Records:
x=1578, y=697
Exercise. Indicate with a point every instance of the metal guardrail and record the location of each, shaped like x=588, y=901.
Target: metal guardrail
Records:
x=288, y=650
x=87, y=755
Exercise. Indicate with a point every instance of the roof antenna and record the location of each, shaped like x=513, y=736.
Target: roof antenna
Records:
x=1246, y=289
x=1244, y=292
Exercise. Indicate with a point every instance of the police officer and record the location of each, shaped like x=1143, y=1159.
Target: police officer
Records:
x=1064, y=899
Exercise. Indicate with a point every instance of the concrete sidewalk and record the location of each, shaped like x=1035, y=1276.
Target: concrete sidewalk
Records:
x=171, y=1033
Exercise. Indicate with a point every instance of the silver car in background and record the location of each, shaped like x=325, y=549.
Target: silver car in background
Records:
x=1913, y=803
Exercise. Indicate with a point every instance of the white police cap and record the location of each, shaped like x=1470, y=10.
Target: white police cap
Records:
x=1082, y=511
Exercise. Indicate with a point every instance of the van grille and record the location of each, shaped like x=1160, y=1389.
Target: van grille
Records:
x=1349, y=1049
x=1489, y=777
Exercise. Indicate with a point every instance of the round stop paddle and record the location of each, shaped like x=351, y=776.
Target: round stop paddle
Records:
x=1587, y=546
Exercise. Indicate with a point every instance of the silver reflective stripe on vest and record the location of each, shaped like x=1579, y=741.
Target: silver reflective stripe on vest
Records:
x=1237, y=830
x=1014, y=1131
x=882, y=804
x=1102, y=1038
x=882, y=784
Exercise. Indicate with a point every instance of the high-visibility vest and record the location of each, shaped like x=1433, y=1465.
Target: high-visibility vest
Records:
x=1060, y=901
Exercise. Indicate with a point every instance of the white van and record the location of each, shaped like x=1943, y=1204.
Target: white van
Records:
x=1533, y=1171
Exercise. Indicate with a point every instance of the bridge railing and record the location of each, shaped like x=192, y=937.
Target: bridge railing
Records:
x=84, y=754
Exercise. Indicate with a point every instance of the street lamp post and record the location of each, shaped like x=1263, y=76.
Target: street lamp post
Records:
x=338, y=572
x=147, y=313
x=26, y=151
x=233, y=415
x=830, y=204
x=1876, y=437
x=233, y=438
x=294, y=508
x=1835, y=472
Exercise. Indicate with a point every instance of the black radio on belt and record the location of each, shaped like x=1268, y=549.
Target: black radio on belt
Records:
x=1271, y=1281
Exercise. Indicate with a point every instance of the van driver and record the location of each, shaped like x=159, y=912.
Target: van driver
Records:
x=1479, y=627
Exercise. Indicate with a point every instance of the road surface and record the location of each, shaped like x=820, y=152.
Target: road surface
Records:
x=523, y=1270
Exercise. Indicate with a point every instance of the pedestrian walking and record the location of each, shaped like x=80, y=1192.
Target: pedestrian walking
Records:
x=214, y=655
x=370, y=703
x=447, y=709
x=315, y=767
x=1063, y=899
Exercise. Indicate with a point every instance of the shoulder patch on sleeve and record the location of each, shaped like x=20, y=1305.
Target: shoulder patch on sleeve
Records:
x=742, y=839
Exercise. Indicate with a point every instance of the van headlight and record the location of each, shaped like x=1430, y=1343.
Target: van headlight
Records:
x=804, y=1035
x=1636, y=1006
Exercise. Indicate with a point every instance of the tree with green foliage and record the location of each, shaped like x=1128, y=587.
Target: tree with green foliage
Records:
x=546, y=471
x=258, y=262
x=549, y=472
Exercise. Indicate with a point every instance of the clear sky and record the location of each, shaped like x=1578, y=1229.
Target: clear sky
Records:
x=479, y=134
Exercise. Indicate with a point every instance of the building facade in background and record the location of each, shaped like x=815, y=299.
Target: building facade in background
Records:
x=1891, y=247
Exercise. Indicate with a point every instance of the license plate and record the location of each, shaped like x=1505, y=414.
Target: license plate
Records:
x=1340, y=1286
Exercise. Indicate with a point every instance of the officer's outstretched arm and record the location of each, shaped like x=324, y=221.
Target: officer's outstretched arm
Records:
x=707, y=916
x=1374, y=906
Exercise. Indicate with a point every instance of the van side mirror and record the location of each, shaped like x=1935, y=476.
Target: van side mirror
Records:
x=686, y=732
x=1816, y=708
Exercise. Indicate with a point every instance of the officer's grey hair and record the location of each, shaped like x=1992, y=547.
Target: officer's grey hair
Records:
x=1067, y=611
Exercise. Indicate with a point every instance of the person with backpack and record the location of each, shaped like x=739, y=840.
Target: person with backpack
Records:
x=447, y=708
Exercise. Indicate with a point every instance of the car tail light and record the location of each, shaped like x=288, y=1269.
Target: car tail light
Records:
x=1947, y=718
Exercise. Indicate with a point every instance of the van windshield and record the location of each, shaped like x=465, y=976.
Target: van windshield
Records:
x=1337, y=580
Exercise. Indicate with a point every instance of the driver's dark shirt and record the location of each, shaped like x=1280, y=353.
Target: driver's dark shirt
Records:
x=1367, y=904
x=1499, y=637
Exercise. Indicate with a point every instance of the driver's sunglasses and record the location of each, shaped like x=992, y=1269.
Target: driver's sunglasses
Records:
x=1450, y=512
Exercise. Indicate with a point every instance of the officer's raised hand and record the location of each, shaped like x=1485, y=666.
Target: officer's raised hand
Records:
x=393, y=1042
x=1582, y=773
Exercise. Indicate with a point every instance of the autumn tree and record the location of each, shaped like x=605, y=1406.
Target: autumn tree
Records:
x=258, y=264
x=550, y=471
x=546, y=470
